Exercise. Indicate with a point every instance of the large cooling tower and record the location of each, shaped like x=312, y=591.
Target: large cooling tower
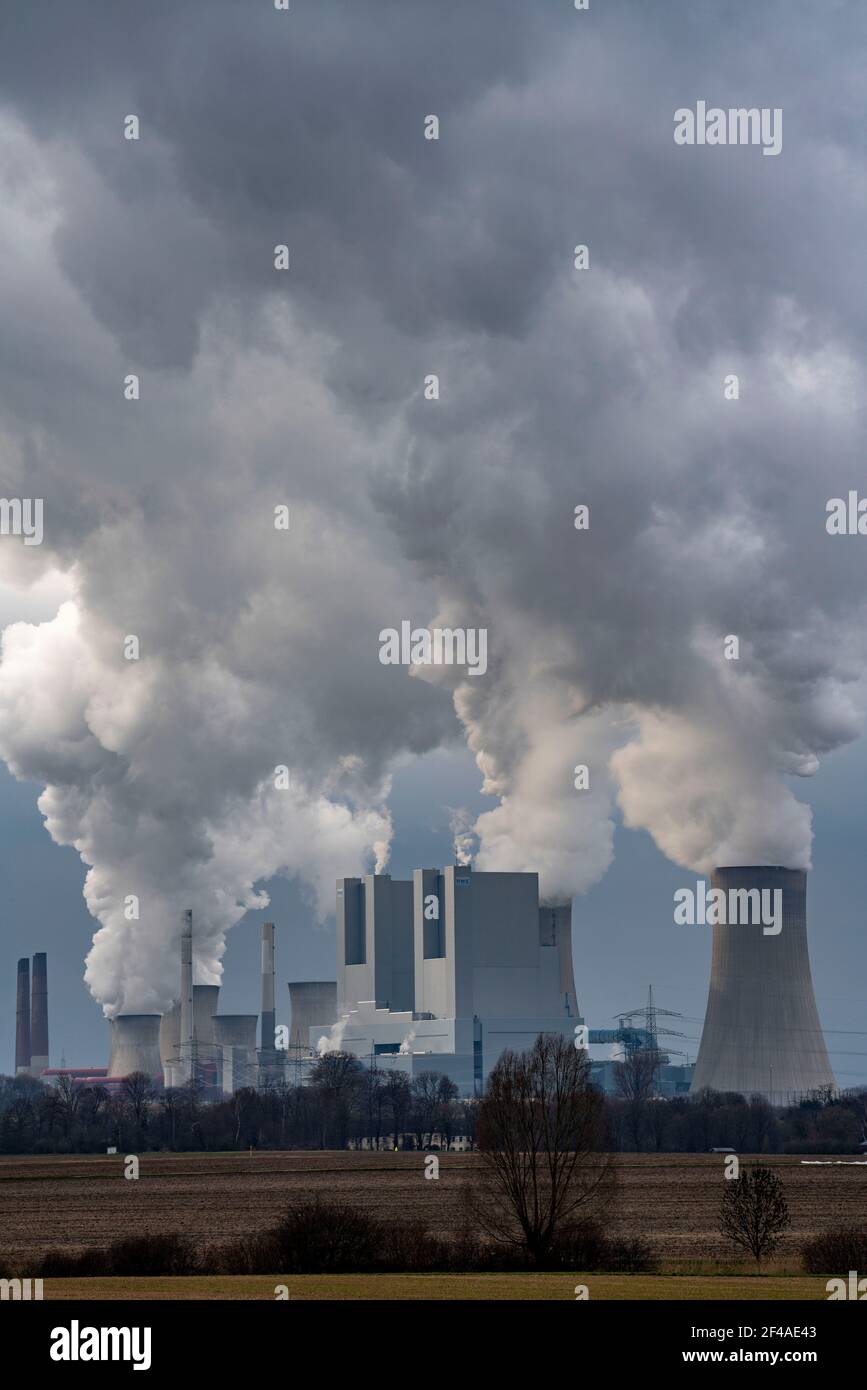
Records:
x=22, y=1018
x=761, y=1033
x=313, y=1002
x=39, y=1014
x=135, y=1045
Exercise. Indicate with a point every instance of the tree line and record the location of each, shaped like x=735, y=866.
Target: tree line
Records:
x=348, y=1105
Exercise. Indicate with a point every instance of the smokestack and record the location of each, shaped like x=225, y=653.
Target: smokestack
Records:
x=761, y=1033
x=267, y=986
x=170, y=1035
x=187, y=1015
x=39, y=1015
x=135, y=1045
x=22, y=1019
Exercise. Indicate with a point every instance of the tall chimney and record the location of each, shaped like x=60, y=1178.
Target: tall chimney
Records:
x=22, y=1019
x=187, y=1047
x=267, y=986
x=761, y=1033
x=39, y=1015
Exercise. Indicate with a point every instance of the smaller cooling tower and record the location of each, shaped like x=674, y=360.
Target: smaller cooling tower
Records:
x=236, y=1030
x=22, y=1019
x=39, y=1015
x=205, y=1001
x=235, y=1044
x=313, y=1004
x=135, y=1045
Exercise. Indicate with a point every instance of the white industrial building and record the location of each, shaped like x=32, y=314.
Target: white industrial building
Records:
x=445, y=972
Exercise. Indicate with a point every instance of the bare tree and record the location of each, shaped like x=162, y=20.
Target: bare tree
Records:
x=67, y=1099
x=431, y=1091
x=754, y=1211
x=170, y=1101
x=138, y=1091
x=243, y=1104
x=399, y=1099
x=540, y=1126
x=336, y=1077
x=635, y=1080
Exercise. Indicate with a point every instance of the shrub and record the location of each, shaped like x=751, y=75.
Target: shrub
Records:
x=327, y=1238
x=587, y=1247
x=136, y=1256
x=836, y=1252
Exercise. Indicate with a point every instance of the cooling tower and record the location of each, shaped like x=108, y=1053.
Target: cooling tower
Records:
x=313, y=1003
x=235, y=1045
x=236, y=1030
x=761, y=1033
x=39, y=1015
x=135, y=1045
x=205, y=1001
x=22, y=1018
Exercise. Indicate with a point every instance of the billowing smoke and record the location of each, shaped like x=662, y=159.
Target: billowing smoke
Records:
x=558, y=387
x=332, y=1041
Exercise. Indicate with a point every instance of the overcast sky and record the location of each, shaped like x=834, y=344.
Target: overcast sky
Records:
x=303, y=387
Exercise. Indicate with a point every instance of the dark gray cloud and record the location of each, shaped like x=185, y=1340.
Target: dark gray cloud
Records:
x=558, y=387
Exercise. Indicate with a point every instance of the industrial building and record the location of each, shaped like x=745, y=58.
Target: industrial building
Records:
x=31, y=1017
x=218, y=1051
x=761, y=1033
x=446, y=971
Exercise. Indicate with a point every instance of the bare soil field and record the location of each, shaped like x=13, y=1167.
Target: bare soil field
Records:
x=428, y=1287
x=671, y=1200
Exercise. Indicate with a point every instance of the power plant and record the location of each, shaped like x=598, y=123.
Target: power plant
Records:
x=444, y=971
x=761, y=1033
